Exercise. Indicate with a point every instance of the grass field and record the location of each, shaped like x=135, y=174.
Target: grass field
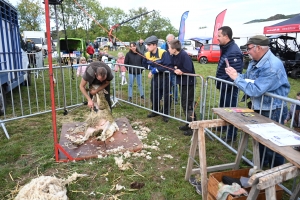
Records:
x=30, y=153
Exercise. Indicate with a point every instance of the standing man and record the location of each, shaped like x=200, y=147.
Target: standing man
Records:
x=174, y=88
x=114, y=44
x=265, y=73
x=97, y=73
x=96, y=46
x=141, y=46
x=160, y=81
x=184, y=64
x=228, y=94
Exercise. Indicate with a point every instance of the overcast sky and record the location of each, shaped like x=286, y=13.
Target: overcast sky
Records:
x=203, y=12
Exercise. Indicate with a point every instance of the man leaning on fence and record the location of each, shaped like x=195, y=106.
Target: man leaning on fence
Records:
x=159, y=63
x=228, y=94
x=265, y=73
x=174, y=88
x=184, y=64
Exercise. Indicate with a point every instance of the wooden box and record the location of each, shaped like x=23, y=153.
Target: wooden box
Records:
x=215, y=178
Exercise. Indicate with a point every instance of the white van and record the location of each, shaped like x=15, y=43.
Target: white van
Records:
x=188, y=45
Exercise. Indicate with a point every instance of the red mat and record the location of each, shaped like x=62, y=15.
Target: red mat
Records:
x=92, y=148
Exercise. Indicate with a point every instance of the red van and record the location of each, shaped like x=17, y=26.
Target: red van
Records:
x=209, y=53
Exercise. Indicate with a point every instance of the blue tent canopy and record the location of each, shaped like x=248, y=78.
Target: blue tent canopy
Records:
x=291, y=25
x=293, y=20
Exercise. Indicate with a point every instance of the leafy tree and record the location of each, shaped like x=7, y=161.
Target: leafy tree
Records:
x=30, y=15
x=151, y=24
x=87, y=19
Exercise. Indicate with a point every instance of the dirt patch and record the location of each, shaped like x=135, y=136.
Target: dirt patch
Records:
x=157, y=196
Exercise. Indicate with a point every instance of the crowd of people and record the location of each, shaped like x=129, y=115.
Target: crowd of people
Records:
x=168, y=66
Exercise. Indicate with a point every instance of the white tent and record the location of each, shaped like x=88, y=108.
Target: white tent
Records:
x=241, y=32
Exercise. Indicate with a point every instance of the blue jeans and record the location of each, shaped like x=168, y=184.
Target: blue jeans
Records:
x=174, y=87
x=228, y=98
x=139, y=83
x=279, y=159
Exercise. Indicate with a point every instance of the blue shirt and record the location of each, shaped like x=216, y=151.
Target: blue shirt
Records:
x=268, y=75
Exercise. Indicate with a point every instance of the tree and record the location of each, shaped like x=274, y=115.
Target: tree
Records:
x=86, y=19
x=152, y=24
x=30, y=15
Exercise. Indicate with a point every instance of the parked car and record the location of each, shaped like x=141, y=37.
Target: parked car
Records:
x=209, y=53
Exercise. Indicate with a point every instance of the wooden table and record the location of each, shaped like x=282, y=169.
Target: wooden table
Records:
x=285, y=172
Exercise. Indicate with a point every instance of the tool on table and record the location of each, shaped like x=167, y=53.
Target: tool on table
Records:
x=247, y=114
x=228, y=109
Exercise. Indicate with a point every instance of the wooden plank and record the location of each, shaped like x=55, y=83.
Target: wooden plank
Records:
x=192, y=153
x=239, y=121
x=208, y=123
x=254, y=179
x=215, y=168
x=253, y=194
x=256, y=158
x=202, y=160
x=241, y=150
x=271, y=193
x=277, y=177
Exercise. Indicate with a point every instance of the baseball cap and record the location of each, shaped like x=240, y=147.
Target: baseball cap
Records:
x=259, y=40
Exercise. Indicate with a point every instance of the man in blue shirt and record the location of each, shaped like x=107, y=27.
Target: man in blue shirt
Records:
x=265, y=73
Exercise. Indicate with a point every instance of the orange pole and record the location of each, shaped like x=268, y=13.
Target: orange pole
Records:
x=47, y=17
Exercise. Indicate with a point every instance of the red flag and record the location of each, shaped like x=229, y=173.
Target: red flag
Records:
x=218, y=24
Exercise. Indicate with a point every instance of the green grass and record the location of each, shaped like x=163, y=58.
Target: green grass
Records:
x=29, y=153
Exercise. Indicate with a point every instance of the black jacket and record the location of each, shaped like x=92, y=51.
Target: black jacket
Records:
x=184, y=62
x=135, y=60
x=235, y=57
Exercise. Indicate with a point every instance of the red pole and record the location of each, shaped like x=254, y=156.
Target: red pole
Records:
x=49, y=44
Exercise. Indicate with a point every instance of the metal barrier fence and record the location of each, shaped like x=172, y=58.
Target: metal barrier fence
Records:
x=32, y=98
x=141, y=97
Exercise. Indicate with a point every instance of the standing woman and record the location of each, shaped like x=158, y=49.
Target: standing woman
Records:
x=133, y=58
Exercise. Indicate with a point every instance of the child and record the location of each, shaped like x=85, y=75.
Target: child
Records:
x=123, y=69
x=296, y=123
x=83, y=65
